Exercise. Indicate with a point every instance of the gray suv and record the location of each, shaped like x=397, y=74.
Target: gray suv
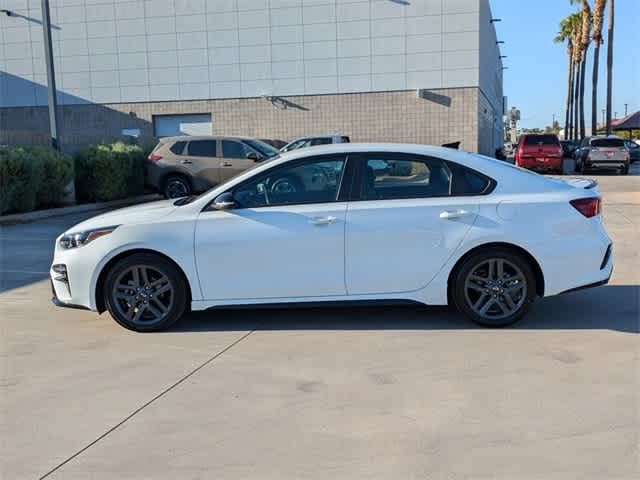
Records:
x=181, y=166
x=602, y=153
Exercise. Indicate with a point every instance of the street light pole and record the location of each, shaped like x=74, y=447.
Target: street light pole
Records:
x=51, y=75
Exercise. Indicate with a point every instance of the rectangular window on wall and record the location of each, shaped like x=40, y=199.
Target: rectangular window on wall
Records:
x=188, y=124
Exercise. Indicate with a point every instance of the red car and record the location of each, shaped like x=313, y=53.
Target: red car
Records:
x=540, y=152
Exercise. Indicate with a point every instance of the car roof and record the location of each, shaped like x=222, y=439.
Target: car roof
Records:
x=602, y=137
x=187, y=138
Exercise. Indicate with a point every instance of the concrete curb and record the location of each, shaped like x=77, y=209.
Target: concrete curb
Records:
x=87, y=207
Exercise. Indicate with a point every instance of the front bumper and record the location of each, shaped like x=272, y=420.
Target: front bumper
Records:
x=59, y=303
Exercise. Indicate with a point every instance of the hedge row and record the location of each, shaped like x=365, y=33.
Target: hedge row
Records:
x=109, y=172
x=36, y=177
x=33, y=177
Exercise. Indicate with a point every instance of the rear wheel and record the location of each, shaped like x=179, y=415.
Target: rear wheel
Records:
x=494, y=288
x=176, y=186
x=145, y=293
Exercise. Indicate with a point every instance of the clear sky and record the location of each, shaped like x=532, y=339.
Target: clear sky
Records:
x=536, y=80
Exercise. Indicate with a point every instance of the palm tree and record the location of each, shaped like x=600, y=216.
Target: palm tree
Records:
x=576, y=37
x=598, y=17
x=609, y=64
x=564, y=35
x=585, y=40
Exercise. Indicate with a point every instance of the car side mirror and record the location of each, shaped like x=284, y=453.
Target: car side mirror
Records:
x=224, y=201
x=253, y=156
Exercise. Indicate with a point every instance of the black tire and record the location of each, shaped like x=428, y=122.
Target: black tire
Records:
x=511, y=261
x=175, y=303
x=625, y=170
x=176, y=186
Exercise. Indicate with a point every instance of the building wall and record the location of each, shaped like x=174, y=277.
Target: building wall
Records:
x=120, y=51
x=490, y=71
x=444, y=115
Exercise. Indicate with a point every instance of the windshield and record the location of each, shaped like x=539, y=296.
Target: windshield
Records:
x=608, y=142
x=262, y=147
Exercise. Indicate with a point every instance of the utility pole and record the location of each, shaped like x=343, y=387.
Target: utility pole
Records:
x=625, y=109
x=603, y=121
x=51, y=75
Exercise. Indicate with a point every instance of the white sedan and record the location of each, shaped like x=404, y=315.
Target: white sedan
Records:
x=348, y=222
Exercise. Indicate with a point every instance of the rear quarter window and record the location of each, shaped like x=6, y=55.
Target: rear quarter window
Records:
x=469, y=182
x=178, y=148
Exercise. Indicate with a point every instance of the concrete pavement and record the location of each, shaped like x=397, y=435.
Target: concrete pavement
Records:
x=323, y=393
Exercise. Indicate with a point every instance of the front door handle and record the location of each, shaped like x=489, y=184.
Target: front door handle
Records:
x=453, y=214
x=323, y=220
x=227, y=164
x=186, y=162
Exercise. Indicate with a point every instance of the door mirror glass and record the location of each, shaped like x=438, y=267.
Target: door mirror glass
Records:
x=224, y=201
x=252, y=156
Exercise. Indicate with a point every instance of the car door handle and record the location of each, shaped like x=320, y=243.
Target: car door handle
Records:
x=452, y=214
x=186, y=162
x=323, y=220
x=227, y=164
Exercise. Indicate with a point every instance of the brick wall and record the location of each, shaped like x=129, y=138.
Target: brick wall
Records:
x=442, y=116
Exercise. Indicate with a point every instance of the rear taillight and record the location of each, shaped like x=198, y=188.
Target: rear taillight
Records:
x=589, y=207
x=154, y=157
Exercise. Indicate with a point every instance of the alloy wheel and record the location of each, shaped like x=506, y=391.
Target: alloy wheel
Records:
x=143, y=295
x=495, y=289
x=176, y=189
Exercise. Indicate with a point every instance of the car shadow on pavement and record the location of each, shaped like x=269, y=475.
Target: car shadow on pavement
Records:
x=612, y=307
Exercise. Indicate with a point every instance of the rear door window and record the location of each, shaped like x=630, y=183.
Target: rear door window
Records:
x=608, y=143
x=393, y=176
x=202, y=148
x=234, y=149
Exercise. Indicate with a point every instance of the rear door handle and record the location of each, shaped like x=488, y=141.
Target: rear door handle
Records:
x=227, y=164
x=453, y=214
x=323, y=220
x=186, y=162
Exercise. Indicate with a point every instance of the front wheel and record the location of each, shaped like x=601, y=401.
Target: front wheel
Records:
x=145, y=293
x=494, y=288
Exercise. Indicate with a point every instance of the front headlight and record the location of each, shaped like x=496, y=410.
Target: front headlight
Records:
x=78, y=239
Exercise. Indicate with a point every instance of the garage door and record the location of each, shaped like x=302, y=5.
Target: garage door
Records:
x=172, y=125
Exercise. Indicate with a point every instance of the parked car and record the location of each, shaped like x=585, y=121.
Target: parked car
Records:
x=634, y=150
x=180, y=166
x=274, y=143
x=314, y=141
x=368, y=222
x=540, y=152
x=606, y=153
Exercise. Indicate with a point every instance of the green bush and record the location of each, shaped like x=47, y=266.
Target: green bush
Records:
x=109, y=172
x=32, y=177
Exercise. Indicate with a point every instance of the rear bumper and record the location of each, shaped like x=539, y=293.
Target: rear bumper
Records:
x=541, y=163
x=605, y=164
